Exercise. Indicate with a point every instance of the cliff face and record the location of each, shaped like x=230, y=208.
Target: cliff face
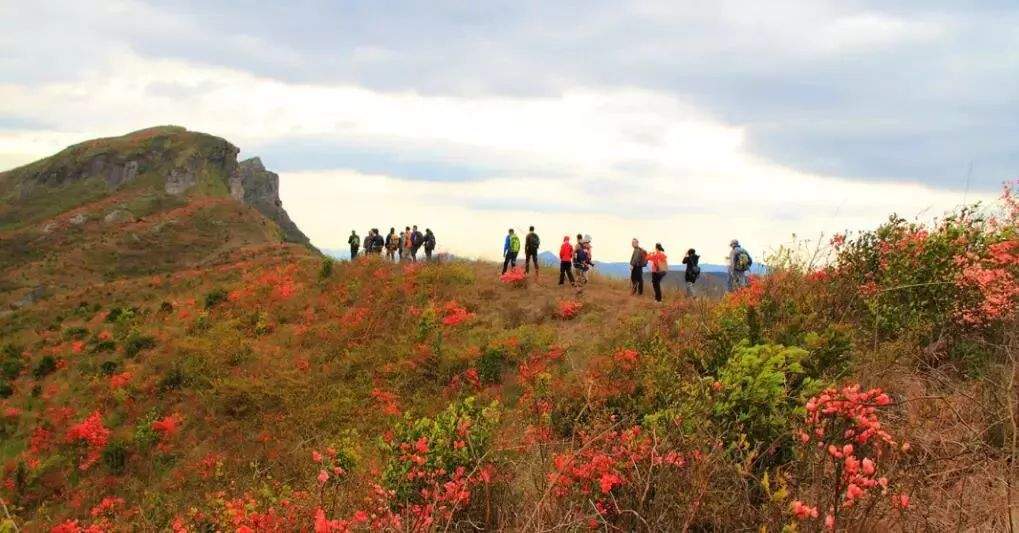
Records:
x=253, y=185
x=165, y=160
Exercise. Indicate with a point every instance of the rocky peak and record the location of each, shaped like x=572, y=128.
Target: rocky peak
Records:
x=252, y=184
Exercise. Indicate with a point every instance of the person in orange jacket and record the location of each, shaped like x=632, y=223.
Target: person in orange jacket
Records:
x=566, y=262
x=659, y=268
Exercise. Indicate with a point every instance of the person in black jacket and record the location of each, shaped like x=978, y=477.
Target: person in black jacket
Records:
x=355, y=242
x=416, y=240
x=429, y=244
x=531, y=244
x=693, y=270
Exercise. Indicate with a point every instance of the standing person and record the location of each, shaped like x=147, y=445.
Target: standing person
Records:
x=355, y=242
x=531, y=244
x=416, y=240
x=693, y=270
x=399, y=246
x=405, y=243
x=510, y=250
x=392, y=244
x=739, y=265
x=581, y=264
x=367, y=243
x=638, y=260
x=377, y=243
x=566, y=262
x=659, y=268
x=429, y=244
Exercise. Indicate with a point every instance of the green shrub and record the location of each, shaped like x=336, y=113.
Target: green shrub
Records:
x=174, y=379
x=44, y=367
x=76, y=333
x=760, y=388
x=6, y=390
x=11, y=368
x=136, y=343
x=115, y=457
x=490, y=364
x=109, y=368
x=99, y=346
x=121, y=314
x=144, y=435
x=326, y=270
x=215, y=297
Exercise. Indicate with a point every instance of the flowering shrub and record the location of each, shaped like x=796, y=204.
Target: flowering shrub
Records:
x=454, y=314
x=842, y=432
x=92, y=435
x=568, y=309
x=514, y=277
x=959, y=273
x=611, y=470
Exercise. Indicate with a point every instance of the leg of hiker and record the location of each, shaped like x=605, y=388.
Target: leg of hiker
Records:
x=656, y=284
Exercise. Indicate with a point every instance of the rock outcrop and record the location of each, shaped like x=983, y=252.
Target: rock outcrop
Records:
x=177, y=161
x=252, y=184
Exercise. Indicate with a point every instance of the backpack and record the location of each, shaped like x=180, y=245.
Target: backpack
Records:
x=430, y=241
x=743, y=261
x=514, y=243
x=415, y=239
x=580, y=259
x=532, y=242
x=642, y=258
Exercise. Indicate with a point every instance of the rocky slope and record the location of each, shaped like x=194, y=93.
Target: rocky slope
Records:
x=150, y=202
x=167, y=160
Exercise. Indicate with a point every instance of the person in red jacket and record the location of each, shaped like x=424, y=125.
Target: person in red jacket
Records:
x=566, y=262
x=659, y=268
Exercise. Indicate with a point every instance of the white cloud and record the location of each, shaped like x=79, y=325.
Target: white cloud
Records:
x=612, y=163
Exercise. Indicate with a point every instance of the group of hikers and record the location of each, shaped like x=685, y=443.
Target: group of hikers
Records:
x=577, y=259
x=398, y=247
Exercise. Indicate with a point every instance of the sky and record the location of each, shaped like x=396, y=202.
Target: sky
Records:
x=685, y=122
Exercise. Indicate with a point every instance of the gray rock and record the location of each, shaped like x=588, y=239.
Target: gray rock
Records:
x=119, y=216
x=49, y=227
x=78, y=219
x=34, y=295
x=253, y=185
x=180, y=180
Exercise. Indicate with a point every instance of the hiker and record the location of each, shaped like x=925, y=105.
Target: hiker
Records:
x=377, y=242
x=531, y=244
x=739, y=265
x=355, y=242
x=405, y=243
x=659, y=268
x=367, y=243
x=392, y=244
x=693, y=270
x=638, y=260
x=581, y=264
x=566, y=262
x=416, y=240
x=510, y=249
x=429, y=244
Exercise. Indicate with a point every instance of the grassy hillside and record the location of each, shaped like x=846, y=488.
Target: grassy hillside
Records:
x=268, y=389
x=167, y=363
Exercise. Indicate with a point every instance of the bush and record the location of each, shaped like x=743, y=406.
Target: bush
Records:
x=76, y=333
x=459, y=437
x=109, y=368
x=326, y=270
x=11, y=368
x=490, y=364
x=215, y=297
x=6, y=390
x=136, y=343
x=121, y=314
x=46, y=366
x=758, y=390
x=115, y=457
